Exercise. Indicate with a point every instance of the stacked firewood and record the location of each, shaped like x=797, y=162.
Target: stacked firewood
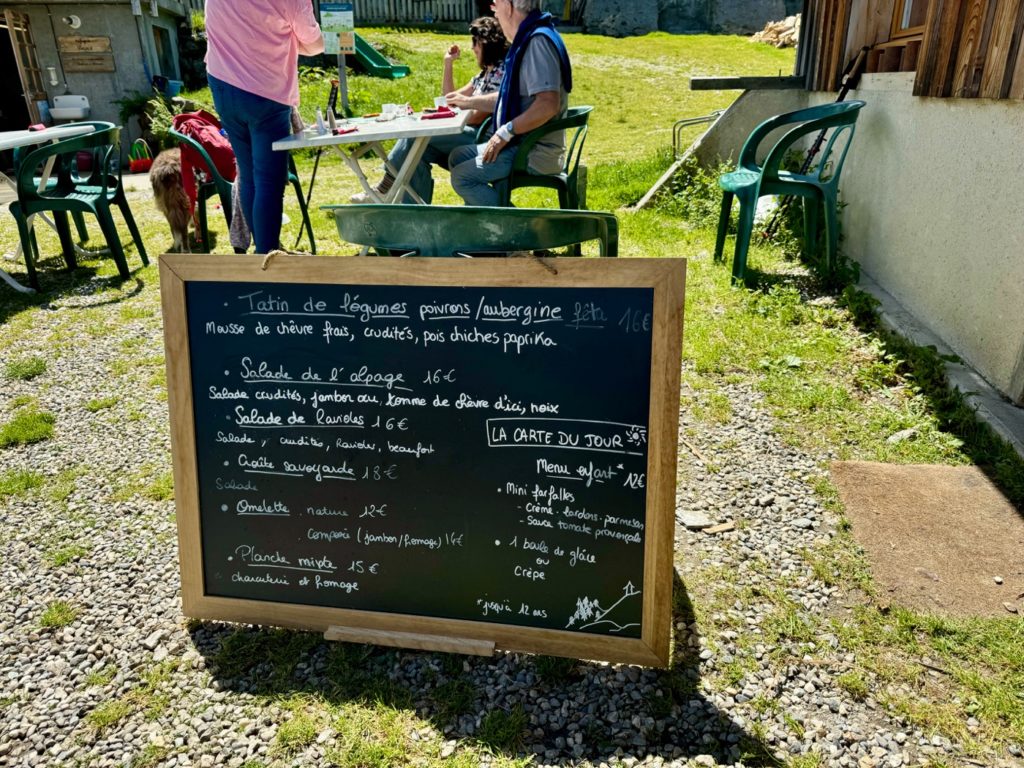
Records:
x=781, y=34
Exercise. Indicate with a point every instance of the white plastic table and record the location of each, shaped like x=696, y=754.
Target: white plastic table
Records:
x=369, y=136
x=15, y=139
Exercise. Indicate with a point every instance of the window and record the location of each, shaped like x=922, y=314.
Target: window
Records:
x=164, y=52
x=908, y=18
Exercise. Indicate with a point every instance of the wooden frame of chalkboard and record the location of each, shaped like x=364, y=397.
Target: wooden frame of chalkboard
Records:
x=616, y=331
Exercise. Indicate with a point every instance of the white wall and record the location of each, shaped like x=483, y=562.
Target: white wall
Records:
x=935, y=214
x=935, y=210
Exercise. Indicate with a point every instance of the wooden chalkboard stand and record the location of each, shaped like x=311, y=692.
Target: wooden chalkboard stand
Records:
x=411, y=640
x=221, y=284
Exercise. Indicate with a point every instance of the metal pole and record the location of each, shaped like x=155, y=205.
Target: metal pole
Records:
x=343, y=86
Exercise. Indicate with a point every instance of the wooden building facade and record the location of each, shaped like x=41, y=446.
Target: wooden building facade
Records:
x=956, y=48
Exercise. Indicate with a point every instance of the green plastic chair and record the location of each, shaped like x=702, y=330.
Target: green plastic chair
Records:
x=441, y=230
x=79, y=219
x=570, y=182
x=74, y=193
x=221, y=187
x=751, y=181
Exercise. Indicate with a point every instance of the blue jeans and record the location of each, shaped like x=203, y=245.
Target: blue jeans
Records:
x=472, y=177
x=253, y=123
x=436, y=153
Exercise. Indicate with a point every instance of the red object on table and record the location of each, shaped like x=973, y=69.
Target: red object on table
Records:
x=440, y=112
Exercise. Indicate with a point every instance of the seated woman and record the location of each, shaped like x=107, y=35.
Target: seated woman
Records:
x=489, y=47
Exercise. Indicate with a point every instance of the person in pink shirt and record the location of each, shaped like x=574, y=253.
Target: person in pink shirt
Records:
x=252, y=55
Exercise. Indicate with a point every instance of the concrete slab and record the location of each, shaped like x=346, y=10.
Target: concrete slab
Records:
x=995, y=410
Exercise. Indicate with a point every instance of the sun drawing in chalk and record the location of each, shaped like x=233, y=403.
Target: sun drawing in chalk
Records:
x=589, y=612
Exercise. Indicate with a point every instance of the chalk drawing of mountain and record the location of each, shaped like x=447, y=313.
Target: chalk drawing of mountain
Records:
x=590, y=614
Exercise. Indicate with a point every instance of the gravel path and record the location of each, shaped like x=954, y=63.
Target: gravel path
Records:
x=130, y=646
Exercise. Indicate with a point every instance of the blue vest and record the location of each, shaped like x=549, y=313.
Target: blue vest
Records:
x=536, y=23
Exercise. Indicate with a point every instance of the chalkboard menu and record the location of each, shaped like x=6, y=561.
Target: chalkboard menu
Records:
x=475, y=449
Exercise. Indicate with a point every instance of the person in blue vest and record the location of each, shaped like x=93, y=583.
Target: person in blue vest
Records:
x=535, y=89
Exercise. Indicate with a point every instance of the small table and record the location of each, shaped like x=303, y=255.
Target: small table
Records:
x=368, y=138
x=14, y=139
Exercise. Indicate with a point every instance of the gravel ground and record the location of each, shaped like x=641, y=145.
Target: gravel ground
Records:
x=125, y=587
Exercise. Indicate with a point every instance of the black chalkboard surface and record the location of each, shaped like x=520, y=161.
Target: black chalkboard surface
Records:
x=470, y=454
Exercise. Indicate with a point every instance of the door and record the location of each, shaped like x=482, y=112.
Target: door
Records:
x=24, y=47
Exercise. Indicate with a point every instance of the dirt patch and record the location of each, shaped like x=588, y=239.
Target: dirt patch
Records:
x=939, y=539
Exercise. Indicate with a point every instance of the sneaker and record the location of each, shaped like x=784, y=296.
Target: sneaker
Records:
x=360, y=198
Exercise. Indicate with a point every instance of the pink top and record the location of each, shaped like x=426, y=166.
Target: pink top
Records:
x=255, y=44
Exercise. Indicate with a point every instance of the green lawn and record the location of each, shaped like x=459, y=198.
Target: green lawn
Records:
x=829, y=375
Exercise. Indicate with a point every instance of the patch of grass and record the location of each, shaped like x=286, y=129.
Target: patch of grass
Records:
x=454, y=698
x=810, y=760
x=151, y=756
x=693, y=194
x=27, y=426
x=788, y=622
x=136, y=312
x=376, y=736
x=21, y=401
x=161, y=488
x=149, y=482
x=983, y=674
x=61, y=555
x=361, y=672
x=60, y=488
x=25, y=368
x=280, y=650
x=18, y=482
x=58, y=613
x=148, y=697
x=108, y=713
x=713, y=408
x=554, y=669
x=101, y=677
x=853, y=682
x=502, y=729
x=296, y=733
x=100, y=403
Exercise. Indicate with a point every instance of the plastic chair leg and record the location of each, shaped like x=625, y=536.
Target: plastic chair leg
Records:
x=810, y=227
x=744, y=229
x=113, y=241
x=129, y=219
x=204, y=229
x=831, y=233
x=83, y=233
x=67, y=245
x=723, y=224
x=28, y=248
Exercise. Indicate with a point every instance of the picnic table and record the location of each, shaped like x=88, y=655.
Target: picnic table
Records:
x=368, y=138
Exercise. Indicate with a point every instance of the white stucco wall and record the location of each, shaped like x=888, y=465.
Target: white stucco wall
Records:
x=935, y=210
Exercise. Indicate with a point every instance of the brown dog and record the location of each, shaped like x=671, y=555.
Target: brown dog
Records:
x=171, y=200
